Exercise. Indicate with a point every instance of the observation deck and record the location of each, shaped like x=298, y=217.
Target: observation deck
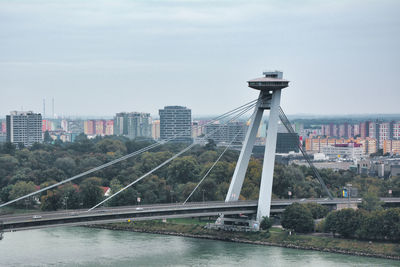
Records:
x=271, y=82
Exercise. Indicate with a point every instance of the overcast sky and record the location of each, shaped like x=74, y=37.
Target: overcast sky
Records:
x=103, y=57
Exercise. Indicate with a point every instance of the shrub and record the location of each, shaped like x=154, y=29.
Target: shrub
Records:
x=344, y=222
x=298, y=218
x=320, y=226
x=266, y=223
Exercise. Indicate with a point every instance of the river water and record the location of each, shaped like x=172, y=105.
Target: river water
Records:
x=79, y=246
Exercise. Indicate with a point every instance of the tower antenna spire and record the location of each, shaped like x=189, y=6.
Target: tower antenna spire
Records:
x=44, y=108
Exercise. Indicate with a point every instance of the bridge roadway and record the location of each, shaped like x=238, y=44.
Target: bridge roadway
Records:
x=13, y=222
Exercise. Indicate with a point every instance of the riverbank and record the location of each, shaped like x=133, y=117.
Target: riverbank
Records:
x=276, y=237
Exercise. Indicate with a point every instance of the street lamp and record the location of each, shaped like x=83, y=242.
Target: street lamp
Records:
x=26, y=203
x=348, y=193
x=66, y=202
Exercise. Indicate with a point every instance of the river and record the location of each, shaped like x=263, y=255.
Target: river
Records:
x=80, y=246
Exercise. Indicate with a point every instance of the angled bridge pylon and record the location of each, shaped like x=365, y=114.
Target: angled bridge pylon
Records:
x=270, y=87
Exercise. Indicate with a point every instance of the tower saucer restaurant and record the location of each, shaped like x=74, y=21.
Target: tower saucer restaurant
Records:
x=270, y=87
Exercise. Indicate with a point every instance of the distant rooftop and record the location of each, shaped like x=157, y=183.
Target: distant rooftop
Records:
x=175, y=107
x=15, y=113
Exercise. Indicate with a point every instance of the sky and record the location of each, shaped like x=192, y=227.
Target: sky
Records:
x=103, y=57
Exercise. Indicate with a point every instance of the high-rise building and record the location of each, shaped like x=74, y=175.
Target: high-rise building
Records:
x=396, y=130
x=325, y=130
x=24, y=127
x=120, y=124
x=139, y=125
x=75, y=127
x=64, y=125
x=391, y=147
x=176, y=121
x=226, y=133
x=287, y=142
x=342, y=130
x=89, y=127
x=100, y=127
x=3, y=127
x=384, y=132
x=47, y=125
x=196, y=129
x=109, y=127
x=364, y=129
x=132, y=124
x=155, y=129
x=356, y=130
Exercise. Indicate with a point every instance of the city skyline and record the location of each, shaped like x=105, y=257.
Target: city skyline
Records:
x=135, y=55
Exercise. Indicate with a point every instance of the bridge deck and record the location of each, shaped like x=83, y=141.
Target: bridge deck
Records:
x=151, y=212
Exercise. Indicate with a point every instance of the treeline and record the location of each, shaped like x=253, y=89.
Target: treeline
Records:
x=369, y=222
x=365, y=225
x=26, y=170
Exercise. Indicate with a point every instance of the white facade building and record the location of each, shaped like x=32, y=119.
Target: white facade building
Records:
x=24, y=128
x=344, y=151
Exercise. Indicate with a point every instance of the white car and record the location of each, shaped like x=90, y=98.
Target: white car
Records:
x=36, y=217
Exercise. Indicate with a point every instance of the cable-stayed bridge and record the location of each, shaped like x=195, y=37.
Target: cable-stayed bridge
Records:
x=160, y=211
x=270, y=87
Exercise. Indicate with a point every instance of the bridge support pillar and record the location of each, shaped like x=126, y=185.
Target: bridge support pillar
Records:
x=270, y=88
x=267, y=175
x=271, y=101
x=244, y=157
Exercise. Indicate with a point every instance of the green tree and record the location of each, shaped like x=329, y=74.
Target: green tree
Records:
x=70, y=196
x=251, y=184
x=91, y=192
x=22, y=174
x=330, y=224
x=298, y=218
x=210, y=145
x=208, y=156
x=21, y=189
x=82, y=144
x=8, y=148
x=154, y=190
x=266, y=223
x=126, y=197
x=50, y=174
x=5, y=193
x=47, y=138
x=345, y=222
x=182, y=170
x=371, y=202
x=66, y=164
x=8, y=164
x=391, y=224
x=151, y=160
x=111, y=146
x=317, y=210
x=50, y=201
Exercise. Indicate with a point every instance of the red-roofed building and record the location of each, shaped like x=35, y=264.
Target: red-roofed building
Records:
x=106, y=190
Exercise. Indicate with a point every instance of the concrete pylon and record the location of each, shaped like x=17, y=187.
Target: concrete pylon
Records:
x=270, y=88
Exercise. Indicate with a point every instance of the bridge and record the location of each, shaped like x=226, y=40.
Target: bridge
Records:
x=28, y=221
x=270, y=87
